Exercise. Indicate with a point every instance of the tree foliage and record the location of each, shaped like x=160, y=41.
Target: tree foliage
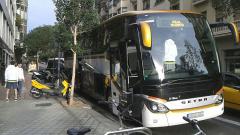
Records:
x=62, y=36
x=18, y=21
x=80, y=13
x=77, y=16
x=19, y=51
x=227, y=7
x=41, y=40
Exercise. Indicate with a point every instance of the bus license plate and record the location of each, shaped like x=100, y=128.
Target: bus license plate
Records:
x=195, y=115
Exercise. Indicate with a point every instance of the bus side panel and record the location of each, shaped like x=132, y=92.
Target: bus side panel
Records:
x=93, y=75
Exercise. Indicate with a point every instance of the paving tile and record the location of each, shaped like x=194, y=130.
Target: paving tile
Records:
x=49, y=120
x=26, y=117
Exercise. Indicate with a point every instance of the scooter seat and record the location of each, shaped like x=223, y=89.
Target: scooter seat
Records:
x=50, y=85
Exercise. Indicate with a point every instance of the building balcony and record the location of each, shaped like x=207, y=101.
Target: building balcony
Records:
x=133, y=1
x=197, y=2
x=224, y=30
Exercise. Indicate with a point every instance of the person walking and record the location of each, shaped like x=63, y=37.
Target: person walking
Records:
x=21, y=80
x=2, y=73
x=11, y=79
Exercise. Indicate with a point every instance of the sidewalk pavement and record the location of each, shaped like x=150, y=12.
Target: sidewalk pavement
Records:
x=49, y=116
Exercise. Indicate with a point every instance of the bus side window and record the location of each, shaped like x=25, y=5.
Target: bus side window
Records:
x=115, y=67
x=133, y=64
x=132, y=55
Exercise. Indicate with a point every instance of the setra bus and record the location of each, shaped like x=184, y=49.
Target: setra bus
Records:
x=162, y=65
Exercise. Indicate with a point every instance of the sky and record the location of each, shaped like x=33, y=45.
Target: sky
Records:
x=40, y=12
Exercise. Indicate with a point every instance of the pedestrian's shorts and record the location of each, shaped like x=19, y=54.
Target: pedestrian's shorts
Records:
x=11, y=85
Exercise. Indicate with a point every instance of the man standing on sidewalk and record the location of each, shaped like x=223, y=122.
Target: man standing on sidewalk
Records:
x=21, y=79
x=11, y=79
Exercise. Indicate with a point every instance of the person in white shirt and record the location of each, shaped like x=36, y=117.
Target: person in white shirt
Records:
x=170, y=50
x=21, y=79
x=170, y=55
x=11, y=79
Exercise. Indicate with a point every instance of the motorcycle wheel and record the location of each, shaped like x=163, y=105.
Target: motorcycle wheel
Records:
x=36, y=93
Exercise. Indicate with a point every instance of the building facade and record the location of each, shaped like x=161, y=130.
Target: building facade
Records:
x=109, y=8
x=7, y=30
x=229, y=53
x=21, y=15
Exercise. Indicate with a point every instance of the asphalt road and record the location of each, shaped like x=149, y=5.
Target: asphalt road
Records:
x=215, y=126
x=227, y=124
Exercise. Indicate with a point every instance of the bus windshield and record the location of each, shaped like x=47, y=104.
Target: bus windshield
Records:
x=182, y=47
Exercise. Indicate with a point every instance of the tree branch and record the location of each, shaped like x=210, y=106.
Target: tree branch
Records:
x=73, y=50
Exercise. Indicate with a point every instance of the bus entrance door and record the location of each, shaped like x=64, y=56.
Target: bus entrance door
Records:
x=118, y=75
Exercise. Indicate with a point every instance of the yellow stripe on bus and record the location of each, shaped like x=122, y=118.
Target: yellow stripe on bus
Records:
x=193, y=109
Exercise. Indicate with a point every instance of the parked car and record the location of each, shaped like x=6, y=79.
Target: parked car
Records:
x=232, y=90
x=52, y=65
x=32, y=67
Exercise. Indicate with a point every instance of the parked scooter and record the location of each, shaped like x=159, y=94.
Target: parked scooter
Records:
x=41, y=87
x=45, y=76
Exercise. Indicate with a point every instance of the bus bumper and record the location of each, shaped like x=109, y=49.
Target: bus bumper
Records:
x=175, y=117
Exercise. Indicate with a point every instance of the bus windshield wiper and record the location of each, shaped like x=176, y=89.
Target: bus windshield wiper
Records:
x=177, y=80
x=172, y=81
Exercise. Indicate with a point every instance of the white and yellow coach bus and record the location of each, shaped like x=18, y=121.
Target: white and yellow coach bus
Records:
x=162, y=65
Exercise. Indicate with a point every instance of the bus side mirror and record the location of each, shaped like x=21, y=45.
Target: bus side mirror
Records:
x=146, y=34
x=231, y=26
x=234, y=29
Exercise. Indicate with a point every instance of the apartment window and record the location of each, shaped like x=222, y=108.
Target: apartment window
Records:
x=135, y=7
x=204, y=13
x=146, y=4
x=219, y=19
x=158, y=2
x=232, y=60
x=175, y=6
x=115, y=2
x=124, y=9
x=1, y=22
x=110, y=3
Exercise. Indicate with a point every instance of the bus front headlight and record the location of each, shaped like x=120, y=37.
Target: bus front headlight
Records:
x=156, y=107
x=219, y=99
x=162, y=108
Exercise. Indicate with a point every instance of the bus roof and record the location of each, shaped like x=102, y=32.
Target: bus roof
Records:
x=133, y=13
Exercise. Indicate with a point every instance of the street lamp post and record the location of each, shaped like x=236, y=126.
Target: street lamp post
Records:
x=120, y=6
x=37, y=61
x=112, y=8
x=58, y=83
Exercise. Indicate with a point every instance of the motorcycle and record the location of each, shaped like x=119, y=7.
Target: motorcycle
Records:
x=45, y=76
x=40, y=88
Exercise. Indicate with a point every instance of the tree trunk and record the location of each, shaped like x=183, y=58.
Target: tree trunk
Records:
x=70, y=102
